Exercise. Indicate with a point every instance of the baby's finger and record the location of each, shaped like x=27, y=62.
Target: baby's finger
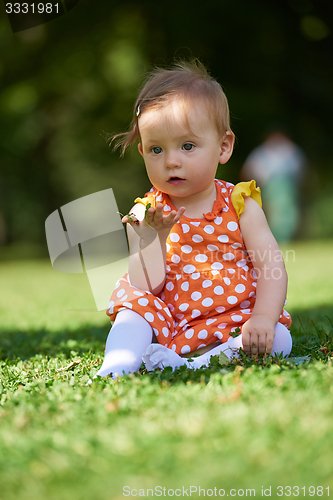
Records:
x=131, y=220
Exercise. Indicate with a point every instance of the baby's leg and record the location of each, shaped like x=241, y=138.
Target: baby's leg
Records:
x=128, y=339
x=158, y=356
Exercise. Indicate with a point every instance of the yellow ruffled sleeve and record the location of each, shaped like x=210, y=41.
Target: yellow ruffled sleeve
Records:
x=244, y=189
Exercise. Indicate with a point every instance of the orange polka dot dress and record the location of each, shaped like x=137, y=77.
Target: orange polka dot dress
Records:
x=210, y=286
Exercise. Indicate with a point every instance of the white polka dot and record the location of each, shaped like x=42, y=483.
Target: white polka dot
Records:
x=212, y=248
x=286, y=314
x=195, y=313
x=246, y=311
x=243, y=277
x=195, y=276
x=157, y=304
x=140, y=294
x=222, y=325
x=156, y=332
x=223, y=238
x=173, y=347
x=111, y=309
x=210, y=321
x=143, y=302
x=209, y=229
x=189, y=269
x=186, y=249
x=203, y=334
x=165, y=331
x=254, y=284
x=236, y=245
x=227, y=281
x=166, y=208
x=178, y=276
x=128, y=304
x=196, y=296
x=183, y=307
x=232, y=299
x=231, y=271
x=167, y=312
x=176, y=297
x=218, y=220
x=236, y=318
x=239, y=288
x=167, y=247
x=162, y=318
x=174, y=237
x=215, y=273
x=228, y=256
x=218, y=290
x=185, y=286
x=196, y=224
x=197, y=238
x=185, y=349
x=182, y=323
x=149, y=317
x=189, y=333
x=220, y=309
x=232, y=226
x=245, y=303
x=246, y=268
x=185, y=228
x=219, y=335
x=241, y=263
x=201, y=257
x=254, y=274
x=111, y=303
x=201, y=345
x=170, y=286
x=252, y=294
x=175, y=258
x=206, y=283
x=179, y=316
x=167, y=268
x=207, y=302
x=120, y=293
x=217, y=265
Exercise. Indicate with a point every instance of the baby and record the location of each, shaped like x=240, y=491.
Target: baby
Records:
x=203, y=261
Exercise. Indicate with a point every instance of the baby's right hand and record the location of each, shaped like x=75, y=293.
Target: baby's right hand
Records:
x=154, y=219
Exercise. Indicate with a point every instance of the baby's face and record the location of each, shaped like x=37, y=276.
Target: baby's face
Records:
x=181, y=148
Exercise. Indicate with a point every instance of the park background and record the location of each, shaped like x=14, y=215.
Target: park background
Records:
x=66, y=83
x=63, y=85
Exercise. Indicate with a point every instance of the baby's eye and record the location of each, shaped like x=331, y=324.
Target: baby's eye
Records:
x=156, y=150
x=188, y=146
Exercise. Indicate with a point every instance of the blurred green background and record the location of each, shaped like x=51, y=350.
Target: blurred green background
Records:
x=67, y=82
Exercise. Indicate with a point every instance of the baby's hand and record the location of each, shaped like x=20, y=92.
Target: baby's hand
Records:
x=155, y=219
x=258, y=334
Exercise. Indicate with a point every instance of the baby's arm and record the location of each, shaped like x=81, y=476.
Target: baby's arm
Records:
x=147, y=235
x=258, y=331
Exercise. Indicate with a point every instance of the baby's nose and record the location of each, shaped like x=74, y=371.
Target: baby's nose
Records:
x=172, y=160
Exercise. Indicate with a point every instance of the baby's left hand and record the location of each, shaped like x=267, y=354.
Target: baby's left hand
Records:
x=258, y=334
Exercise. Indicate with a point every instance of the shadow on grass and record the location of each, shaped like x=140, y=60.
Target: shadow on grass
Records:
x=311, y=324
x=25, y=345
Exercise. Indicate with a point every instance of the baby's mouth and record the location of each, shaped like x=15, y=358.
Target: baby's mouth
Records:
x=175, y=180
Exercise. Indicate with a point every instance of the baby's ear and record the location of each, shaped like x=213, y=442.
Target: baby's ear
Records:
x=140, y=149
x=227, y=146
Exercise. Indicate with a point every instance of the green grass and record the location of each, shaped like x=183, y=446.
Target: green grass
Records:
x=250, y=424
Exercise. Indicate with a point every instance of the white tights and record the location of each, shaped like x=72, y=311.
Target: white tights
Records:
x=129, y=342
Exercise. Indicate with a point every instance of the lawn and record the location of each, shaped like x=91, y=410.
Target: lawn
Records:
x=250, y=428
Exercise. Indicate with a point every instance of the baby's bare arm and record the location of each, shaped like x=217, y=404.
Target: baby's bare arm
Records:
x=258, y=332
x=147, y=235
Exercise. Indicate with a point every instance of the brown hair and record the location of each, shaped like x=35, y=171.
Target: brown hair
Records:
x=189, y=81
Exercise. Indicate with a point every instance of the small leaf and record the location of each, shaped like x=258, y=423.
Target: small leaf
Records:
x=223, y=359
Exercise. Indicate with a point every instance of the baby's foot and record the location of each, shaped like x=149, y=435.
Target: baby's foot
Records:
x=158, y=356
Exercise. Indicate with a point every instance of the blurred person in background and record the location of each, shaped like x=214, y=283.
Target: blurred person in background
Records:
x=278, y=166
